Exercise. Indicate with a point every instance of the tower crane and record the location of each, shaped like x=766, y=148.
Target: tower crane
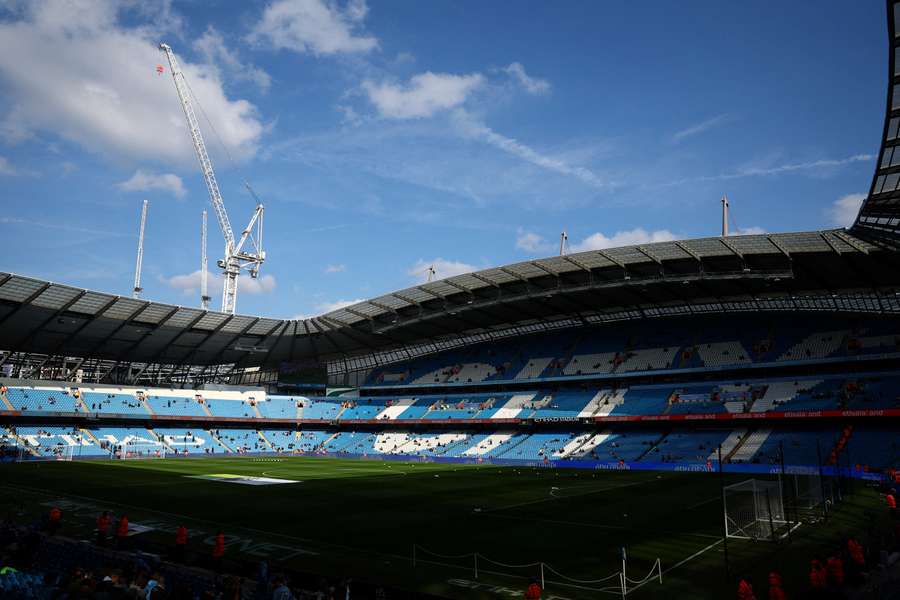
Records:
x=204, y=290
x=136, y=292
x=236, y=258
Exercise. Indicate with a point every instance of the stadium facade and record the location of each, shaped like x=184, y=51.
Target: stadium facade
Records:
x=653, y=354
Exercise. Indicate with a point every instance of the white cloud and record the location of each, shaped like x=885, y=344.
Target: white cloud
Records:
x=327, y=307
x=699, y=128
x=477, y=130
x=335, y=268
x=843, y=211
x=425, y=95
x=532, y=242
x=638, y=235
x=754, y=230
x=822, y=165
x=72, y=69
x=532, y=85
x=442, y=269
x=189, y=284
x=213, y=48
x=6, y=168
x=314, y=26
x=144, y=181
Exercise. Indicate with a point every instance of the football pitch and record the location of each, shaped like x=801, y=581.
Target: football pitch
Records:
x=417, y=525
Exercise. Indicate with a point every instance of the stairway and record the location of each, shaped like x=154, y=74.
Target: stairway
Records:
x=162, y=442
x=265, y=439
x=23, y=443
x=219, y=441
x=749, y=445
x=729, y=445
x=322, y=445
x=7, y=403
x=145, y=404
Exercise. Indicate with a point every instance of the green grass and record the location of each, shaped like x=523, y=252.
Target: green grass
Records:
x=362, y=518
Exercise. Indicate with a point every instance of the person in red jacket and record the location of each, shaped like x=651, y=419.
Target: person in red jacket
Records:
x=54, y=520
x=181, y=537
x=817, y=576
x=891, y=503
x=533, y=591
x=835, y=567
x=102, y=528
x=218, y=550
x=857, y=558
x=745, y=590
x=122, y=533
x=776, y=591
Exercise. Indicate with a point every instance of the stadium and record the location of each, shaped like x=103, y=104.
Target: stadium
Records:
x=664, y=420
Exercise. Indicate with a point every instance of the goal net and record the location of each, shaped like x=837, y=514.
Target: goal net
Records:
x=809, y=492
x=754, y=509
x=141, y=449
x=62, y=452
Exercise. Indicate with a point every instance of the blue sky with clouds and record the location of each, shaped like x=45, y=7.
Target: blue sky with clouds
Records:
x=384, y=137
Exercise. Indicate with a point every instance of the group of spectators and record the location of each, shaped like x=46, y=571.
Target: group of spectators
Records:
x=837, y=574
x=37, y=562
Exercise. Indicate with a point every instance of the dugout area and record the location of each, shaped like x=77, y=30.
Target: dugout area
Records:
x=365, y=517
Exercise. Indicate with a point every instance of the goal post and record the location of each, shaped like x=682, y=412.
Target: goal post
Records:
x=141, y=450
x=754, y=510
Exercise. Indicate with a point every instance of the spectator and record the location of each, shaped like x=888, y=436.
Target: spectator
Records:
x=181, y=537
x=103, y=527
x=745, y=590
x=54, y=520
x=533, y=592
x=281, y=591
x=776, y=591
x=122, y=533
x=218, y=551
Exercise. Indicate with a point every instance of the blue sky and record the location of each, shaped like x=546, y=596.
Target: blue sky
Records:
x=389, y=136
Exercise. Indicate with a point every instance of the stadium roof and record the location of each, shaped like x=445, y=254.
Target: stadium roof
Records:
x=813, y=271
x=879, y=217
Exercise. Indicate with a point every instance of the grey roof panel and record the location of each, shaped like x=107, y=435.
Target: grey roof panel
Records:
x=627, y=255
x=558, y=264
x=154, y=313
x=392, y=301
x=525, y=269
x=211, y=320
x=123, y=308
x=91, y=303
x=593, y=260
x=469, y=281
x=56, y=296
x=440, y=287
x=497, y=276
x=184, y=317
x=19, y=289
x=237, y=324
x=753, y=244
x=707, y=247
x=667, y=251
x=263, y=326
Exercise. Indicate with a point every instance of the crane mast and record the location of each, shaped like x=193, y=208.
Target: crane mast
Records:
x=136, y=291
x=235, y=258
x=204, y=277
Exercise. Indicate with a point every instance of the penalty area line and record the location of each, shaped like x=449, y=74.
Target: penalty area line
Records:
x=676, y=565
